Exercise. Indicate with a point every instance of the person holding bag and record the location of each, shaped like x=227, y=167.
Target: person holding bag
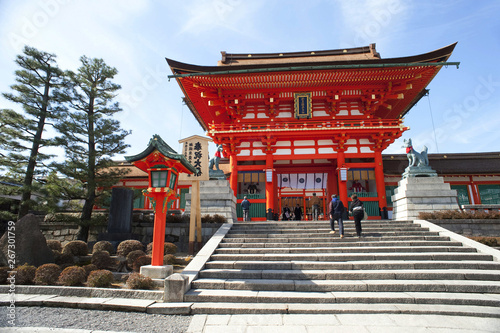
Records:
x=357, y=210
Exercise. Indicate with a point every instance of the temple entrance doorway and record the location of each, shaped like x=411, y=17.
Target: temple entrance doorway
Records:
x=299, y=189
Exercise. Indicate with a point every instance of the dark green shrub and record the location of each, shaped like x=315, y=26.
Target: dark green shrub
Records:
x=47, y=274
x=72, y=276
x=490, y=241
x=132, y=256
x=103, y=246
x=76, y=248
x=54, y=245
x=100, y=279
x=141, y=261
x=457, y=214
x=168, y=248
x=207, y=219
x=219, y=219
x=139, y=281
x=127, y=246
x=169, y=259
x=63, y=259
x=102, y=260
x=89, y=268
x=25, y=274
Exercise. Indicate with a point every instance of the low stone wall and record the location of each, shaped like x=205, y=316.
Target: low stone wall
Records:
x=471, y=227
x=177, y=233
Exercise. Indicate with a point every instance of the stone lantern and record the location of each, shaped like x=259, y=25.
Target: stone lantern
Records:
x=163, y=166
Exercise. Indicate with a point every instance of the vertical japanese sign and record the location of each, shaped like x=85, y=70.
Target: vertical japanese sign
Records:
x=195, y=149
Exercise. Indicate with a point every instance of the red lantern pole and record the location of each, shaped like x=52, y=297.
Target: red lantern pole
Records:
x=159, y=199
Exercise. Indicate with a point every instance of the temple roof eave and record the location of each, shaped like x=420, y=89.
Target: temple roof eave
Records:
x=440, y=55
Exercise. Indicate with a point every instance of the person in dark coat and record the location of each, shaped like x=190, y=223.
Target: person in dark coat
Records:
x=286, y=213
x=357, y=211
x=245, y=206
x=298, y=213
x=336, y=209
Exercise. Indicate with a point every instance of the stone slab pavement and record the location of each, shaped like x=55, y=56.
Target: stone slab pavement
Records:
x=340, y=323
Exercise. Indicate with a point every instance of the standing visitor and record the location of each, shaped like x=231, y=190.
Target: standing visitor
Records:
x=286, y=213
x=315, y=202
x=357, y=211
x=298, y=213
x=245, y=205
x=336, y=209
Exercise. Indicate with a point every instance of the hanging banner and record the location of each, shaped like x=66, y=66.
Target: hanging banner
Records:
x=307, y=181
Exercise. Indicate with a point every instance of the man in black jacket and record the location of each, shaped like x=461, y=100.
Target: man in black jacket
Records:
x=357, y=211
x=336, y=209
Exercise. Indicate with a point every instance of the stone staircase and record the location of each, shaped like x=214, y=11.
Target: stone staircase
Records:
x=299, y=267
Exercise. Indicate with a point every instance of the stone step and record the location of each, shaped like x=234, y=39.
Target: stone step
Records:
x=448, y=256
x=331, y=274
x=332, y=238
x=347, y=249
x=355, y=265
x=322, y=230
x=343, y=308
x=351, y=244
x=454, y=286
x=285, y=223
x=344, y=297
x=326, y=224
x=368, y=234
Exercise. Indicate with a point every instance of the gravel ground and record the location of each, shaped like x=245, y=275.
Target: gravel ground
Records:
x=96, y=320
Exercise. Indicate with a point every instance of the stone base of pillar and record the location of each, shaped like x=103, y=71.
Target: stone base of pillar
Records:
x=422, y=194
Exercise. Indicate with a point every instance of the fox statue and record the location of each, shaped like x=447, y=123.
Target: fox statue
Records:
x=415, y=158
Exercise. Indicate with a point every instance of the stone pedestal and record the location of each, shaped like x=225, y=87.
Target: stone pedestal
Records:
x=216, y=197
x=422, y=194
x=157, y=273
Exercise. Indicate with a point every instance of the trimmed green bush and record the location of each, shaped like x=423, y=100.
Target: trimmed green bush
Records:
x=76, y=248
x=102, y=260
x=139, y=281
x=141, y=261
x=127, y=246
x=47, y=274
x=25, y=274
x=63, y=259
x=100, y=279
x=54, y=245
x=168, y=248
x=169, y=259
x=72, y=276
x=89, y=268
x=457, y=214
x=132, y=256
x=103, y=246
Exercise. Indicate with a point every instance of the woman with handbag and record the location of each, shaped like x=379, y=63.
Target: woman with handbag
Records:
x=357, y=211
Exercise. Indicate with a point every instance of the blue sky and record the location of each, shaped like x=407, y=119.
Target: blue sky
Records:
x=135, y=37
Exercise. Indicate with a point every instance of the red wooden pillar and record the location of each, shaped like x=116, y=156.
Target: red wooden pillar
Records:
x=269, y=185
x=233, y=179
x=342, y=184
x=379, y=179
x=475, y=193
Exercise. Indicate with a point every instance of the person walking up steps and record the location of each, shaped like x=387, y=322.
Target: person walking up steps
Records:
x=336, y=209
x=357, y=211
x=245, y=205
x=315, y=202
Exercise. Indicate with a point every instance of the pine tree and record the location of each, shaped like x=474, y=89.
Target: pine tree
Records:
x=89, y=135
x=38, y=80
